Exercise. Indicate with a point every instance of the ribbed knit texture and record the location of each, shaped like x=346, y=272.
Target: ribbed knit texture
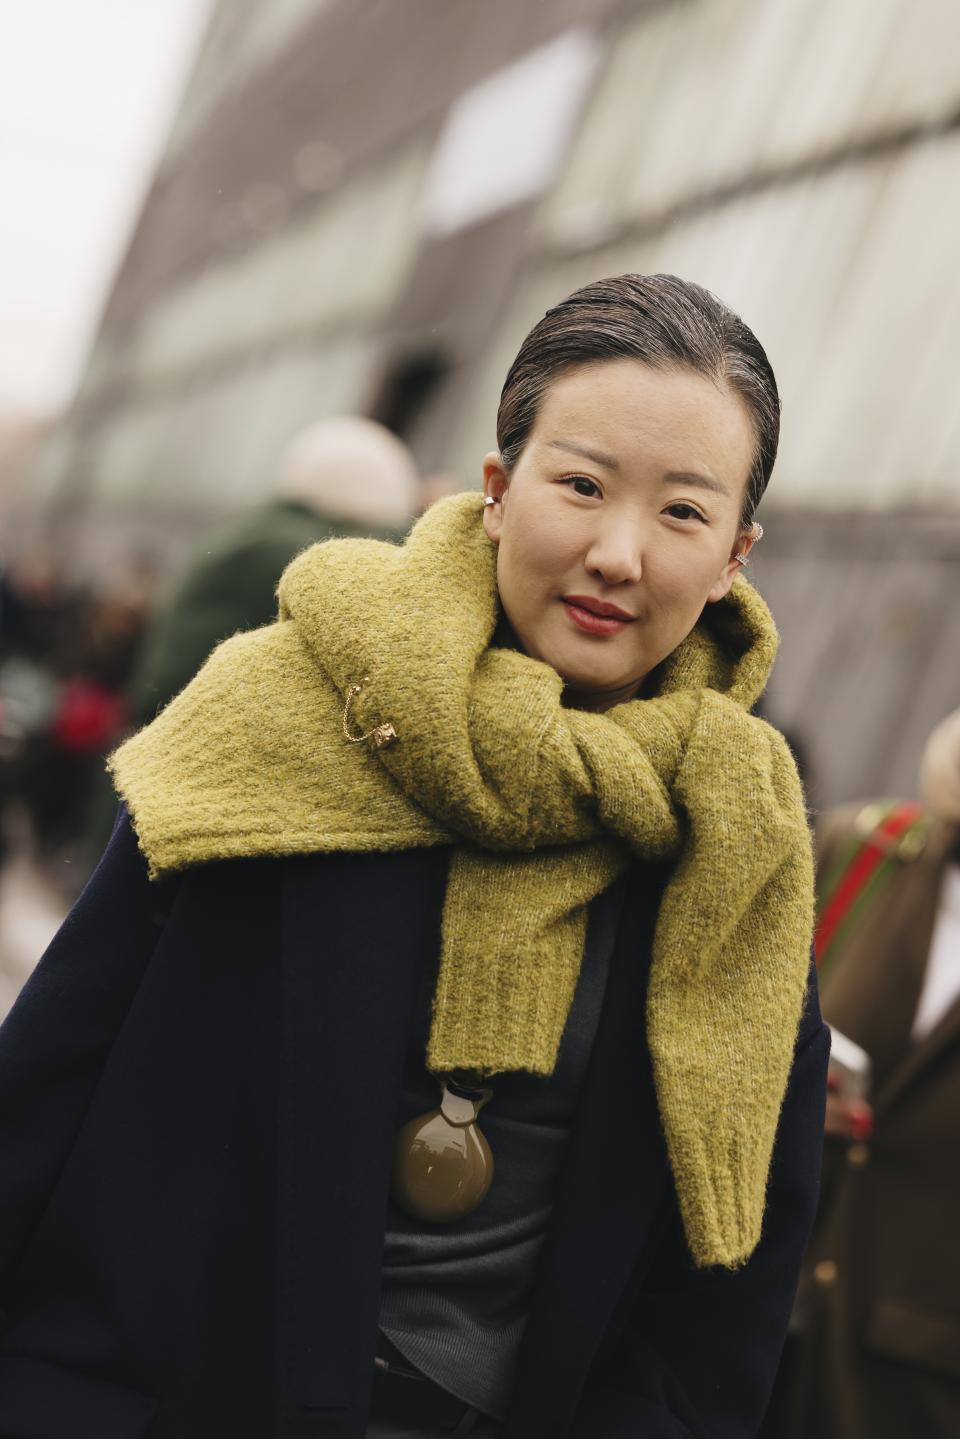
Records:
x=543, y=804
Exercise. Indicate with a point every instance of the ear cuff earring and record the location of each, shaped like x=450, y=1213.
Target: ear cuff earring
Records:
x=488, y=500
x=757, y=537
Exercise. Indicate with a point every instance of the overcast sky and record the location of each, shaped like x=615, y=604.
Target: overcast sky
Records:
x=88, y=90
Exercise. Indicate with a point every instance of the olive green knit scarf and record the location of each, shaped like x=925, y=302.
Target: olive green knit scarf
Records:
x=544, y=807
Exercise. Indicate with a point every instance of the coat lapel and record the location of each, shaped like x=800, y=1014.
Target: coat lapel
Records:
x=921, y=1057
x=350, y=974
x=914, y=940
x=871, y=994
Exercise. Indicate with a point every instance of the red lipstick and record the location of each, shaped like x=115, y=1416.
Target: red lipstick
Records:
x=595, y=617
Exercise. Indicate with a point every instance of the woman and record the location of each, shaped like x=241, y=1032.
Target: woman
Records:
x=487, y=811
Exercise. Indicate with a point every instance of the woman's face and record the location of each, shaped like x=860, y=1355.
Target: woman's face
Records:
x=620, y=521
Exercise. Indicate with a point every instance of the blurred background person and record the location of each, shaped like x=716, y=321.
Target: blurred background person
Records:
x=34, y=607
x=877, y=1355
x=101, y=640
x=66, y=655
x=338, y=478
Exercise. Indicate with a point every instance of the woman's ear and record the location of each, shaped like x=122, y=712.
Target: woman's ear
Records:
x=744, y=543
x=495, y=483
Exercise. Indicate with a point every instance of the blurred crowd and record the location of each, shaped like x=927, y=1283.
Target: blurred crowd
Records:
x=81, y=664
x=67, y=654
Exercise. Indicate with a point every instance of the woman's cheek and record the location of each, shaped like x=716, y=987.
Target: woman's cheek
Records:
x=528, y=559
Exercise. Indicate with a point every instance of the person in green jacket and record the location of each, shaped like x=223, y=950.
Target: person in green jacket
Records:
x=338, y=478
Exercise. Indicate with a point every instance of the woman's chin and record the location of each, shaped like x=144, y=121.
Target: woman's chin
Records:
x=589, y=674
x=587, y=666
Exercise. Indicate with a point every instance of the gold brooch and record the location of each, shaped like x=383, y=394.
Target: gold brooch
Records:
x=381, y=734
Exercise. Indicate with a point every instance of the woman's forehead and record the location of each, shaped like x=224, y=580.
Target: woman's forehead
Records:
x=624, y=412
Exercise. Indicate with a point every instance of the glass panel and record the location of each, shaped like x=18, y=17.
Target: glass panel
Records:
x=504, y=138
x=698, y=96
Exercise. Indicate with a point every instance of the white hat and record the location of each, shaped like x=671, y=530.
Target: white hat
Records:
x=352, y=469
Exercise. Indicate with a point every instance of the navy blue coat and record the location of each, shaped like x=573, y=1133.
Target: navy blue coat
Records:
x=197, y=1102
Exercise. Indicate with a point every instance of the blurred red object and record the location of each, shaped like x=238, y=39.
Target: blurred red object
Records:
x=89, y=716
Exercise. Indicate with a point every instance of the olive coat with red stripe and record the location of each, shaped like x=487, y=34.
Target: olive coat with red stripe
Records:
x=880, y=1358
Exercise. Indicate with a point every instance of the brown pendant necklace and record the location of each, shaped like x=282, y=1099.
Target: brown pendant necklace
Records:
x=442, y=1164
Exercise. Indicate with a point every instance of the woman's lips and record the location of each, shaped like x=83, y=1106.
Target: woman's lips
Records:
x=594, y=617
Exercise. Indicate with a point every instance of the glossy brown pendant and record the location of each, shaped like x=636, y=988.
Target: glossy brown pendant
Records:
x=442, y=1164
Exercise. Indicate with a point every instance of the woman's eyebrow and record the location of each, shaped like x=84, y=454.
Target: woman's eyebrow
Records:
x=609, y=462
x=700, y=482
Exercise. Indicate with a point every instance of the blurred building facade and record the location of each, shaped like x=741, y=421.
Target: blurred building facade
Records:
x=363, y=206
x=21, y=438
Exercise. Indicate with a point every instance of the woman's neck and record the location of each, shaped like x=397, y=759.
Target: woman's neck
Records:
x=597, y=701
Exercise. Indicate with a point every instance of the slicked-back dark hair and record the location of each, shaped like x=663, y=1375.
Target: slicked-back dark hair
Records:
x=663, y=321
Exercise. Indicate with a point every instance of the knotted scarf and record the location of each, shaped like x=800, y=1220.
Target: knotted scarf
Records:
x=544, y=806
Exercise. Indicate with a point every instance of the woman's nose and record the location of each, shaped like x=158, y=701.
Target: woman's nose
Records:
x=615, y=556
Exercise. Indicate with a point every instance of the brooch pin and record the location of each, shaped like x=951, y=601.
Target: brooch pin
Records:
x=381, y=734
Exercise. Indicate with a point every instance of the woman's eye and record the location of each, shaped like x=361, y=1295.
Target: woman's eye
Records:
x=684, y=512
x=583, y=486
